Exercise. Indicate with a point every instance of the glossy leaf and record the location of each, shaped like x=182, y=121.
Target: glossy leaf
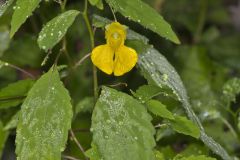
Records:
x=183, y=125
x=122, y=127
x=55, y=29
x=14, y=93
x=144, y=15
x=23, y=10
x=44, y=120
x=159, y=109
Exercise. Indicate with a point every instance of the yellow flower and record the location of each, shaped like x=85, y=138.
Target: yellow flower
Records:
x=114, y=57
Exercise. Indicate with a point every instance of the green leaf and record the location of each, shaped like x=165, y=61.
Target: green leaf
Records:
x=122, y=127
x=99, y=5
x=3, y=138
x=44, y=120
x=55, y=29
x=144, y=15
x=159, y=155
x=92, y=153
x=183, y=125
x=24, y=46
x=201, y=157
x=147, y=92
x=4, y=40
x=13, y=122
x=85, y=105
x=93, y=2
x=230, y=89
x=4, y=5
x=23, y=10
x=159, y=109
x=158, y=71
x=14, y=93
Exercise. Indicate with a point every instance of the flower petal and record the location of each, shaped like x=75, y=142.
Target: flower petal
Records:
x=102, y=57
x=125, y=59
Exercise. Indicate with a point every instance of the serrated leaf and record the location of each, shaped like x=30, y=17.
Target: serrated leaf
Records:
x=159, y=109
x=200, y=157
x=158, y=71
x=4, y=5
x=122, y=127
x=183, y=125
x=14, y=93
x=144, y=15
x=23, y=10
x=231, y=89
x=55, y=29
x=44, y=120
x=3, y=138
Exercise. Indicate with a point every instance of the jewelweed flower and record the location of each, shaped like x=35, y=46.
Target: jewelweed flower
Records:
x=114, y=57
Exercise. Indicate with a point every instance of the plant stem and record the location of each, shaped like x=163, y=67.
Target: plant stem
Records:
x=78, y=144
x=86, y=19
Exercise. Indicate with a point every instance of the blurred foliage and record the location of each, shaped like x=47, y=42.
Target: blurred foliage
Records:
x=207, y=60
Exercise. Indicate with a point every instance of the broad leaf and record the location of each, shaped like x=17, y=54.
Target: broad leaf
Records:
x=55, y=29
x=23, y=10
x=14, y=93
x=4, y=5
x=122, y=127
x=159, y=109
x=183, y=125
x=92, y=153
x=44, y=120
x=140, y=12
x=158, y=71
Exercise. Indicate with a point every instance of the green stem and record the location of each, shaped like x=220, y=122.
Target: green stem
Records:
x=229, y=127
x=86, y=19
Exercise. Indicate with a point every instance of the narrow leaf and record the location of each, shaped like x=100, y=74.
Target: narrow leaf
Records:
x=159, y=109
x=23, y=10
x=122, y=127
x=14, y=93
x=183, y=125
x=44, y=120
x=55, y=29
x=144, y=15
